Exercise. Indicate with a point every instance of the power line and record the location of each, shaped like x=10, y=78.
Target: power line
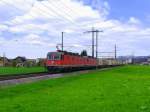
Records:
x=10, y=4
x=113, y=53
x=67, y=7
x=56, y=12
x=48, y=13
x=70, y=9
x=66, y=13
x=82, y=24
x=39, y=11
x=66, y=18
x=107, y=52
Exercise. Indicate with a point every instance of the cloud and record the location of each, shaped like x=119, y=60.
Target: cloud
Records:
x=12, y=8
x=38, y=25
x=3, y=27
x=67, y=11
x=134, y=20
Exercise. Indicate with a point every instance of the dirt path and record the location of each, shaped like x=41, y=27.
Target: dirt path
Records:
x=43, y=77
x=29, y=79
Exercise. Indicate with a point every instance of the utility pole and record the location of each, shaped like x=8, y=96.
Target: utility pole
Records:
x=62, y=41
x=97, y=45
x=115, y=51
x=93, y=31
x=97, y=32
x=93, y=34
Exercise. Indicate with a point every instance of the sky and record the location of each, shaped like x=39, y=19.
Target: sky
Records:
x=32, y=28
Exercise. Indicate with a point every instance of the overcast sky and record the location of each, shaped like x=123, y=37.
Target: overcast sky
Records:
x=32, y=28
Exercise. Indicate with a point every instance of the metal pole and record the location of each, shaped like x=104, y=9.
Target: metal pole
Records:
x=96, y=44
x=62, y=44
x=97, y=32
x=115, y=51
x=97, y=50
x=93, y=41
x=93, y=31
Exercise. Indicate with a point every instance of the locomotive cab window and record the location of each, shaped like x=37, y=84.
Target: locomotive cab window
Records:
x=54, y=56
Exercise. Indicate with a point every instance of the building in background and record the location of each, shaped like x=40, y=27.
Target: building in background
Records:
x=5, y=62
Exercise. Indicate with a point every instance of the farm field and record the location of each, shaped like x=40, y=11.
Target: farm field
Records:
x=22, y=70
x=121, y=89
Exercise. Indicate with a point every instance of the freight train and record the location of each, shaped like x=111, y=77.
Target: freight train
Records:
x=68, y=61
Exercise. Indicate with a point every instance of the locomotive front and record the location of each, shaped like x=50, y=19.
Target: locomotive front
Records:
x=54, y=61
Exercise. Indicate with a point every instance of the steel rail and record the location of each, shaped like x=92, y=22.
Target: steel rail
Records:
x=29, y=75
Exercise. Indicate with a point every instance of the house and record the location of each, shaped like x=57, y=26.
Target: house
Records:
x=1, y=63
x=30, y=62
x=5, y=61
x=19, y=61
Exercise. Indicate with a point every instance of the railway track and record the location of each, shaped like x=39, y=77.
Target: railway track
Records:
x=26, y=78
x=18, y=76
x=22, y=78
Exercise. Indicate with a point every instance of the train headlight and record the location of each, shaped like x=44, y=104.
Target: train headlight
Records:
x=52, y=62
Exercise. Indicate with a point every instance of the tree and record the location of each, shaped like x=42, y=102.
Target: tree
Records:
x=84, y=53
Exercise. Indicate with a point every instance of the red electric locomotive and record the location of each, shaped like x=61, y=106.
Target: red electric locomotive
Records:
x=66, y=61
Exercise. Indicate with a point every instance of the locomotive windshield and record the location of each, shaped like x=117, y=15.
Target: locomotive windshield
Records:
x=54, y=56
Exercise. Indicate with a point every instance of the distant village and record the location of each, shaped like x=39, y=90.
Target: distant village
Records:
x=24, y=62
x=21, y=62
x=141, y=60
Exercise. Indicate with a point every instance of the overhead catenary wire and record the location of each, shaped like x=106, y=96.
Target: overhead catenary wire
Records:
x=31, y=9
x=68, y=13
x=53, y=10
x=70, y=10
x=75, y=12
x=68, y=7
x=14, y=7
x=48, y=13
x=67, y=16
x=40, y=11
x=57, y=15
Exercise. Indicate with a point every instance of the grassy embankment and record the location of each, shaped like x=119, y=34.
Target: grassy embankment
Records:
x=22, y=70
x=121, y=89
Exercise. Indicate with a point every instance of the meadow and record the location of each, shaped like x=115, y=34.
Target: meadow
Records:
x=121, y=89
x=20, y=70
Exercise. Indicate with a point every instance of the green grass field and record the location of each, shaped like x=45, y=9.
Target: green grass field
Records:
x=15, y=70
x=121, y=89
